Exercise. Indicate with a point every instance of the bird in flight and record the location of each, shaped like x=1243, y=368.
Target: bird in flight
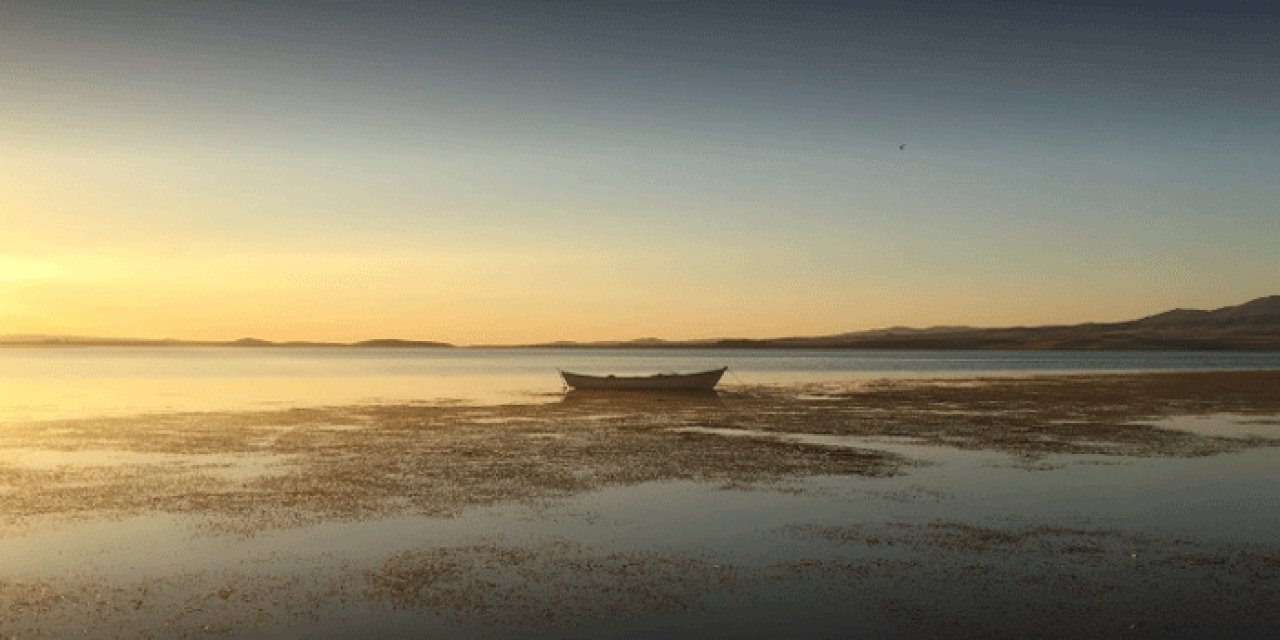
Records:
x=902, y=147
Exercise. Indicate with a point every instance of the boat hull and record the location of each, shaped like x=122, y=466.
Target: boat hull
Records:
x=700, y=381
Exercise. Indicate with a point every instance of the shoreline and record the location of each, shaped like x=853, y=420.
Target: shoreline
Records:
x=727, y=345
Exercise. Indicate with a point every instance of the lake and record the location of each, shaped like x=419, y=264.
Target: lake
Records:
x=77, y=382
x=280, y=493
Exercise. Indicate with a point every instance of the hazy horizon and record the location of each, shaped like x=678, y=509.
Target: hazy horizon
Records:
x=504, y=173
x=19, y=338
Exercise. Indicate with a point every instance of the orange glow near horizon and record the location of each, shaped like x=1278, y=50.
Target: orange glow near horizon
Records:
x=161, y=183
x=475, y=298
x=124, y=256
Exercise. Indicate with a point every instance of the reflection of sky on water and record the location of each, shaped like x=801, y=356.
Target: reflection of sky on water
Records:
x=51, y=383
x=1224, y=425
x=1221, y=498
x=88, y=397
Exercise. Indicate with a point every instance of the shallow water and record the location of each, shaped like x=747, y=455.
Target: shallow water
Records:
x=1222, y=498
x=1165, y=504
x=85, y=382
x=281, y=524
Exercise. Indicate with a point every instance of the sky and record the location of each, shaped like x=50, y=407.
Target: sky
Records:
x=488, y=172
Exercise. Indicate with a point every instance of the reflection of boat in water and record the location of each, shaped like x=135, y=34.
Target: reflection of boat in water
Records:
x=701, y=381
x=609, y=401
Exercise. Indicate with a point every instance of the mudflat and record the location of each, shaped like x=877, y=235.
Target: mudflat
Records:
x=1060, y=505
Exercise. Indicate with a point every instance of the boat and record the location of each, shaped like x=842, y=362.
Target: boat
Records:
x=699, y=381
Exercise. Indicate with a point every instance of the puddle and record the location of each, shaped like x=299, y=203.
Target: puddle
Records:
x=1223, y=425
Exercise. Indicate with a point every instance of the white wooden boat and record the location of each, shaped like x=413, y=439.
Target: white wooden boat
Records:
x=700, y=381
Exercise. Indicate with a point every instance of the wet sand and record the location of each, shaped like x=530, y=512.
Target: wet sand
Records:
x=817, y=509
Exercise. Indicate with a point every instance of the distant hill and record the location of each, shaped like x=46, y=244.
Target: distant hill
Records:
x=1254, y=325
x=399, y=344
x=248, y=343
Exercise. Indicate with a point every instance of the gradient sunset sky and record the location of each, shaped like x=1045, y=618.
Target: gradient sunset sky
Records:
x=482, y=172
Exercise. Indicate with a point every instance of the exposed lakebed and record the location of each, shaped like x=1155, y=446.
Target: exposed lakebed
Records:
x=1109, y=504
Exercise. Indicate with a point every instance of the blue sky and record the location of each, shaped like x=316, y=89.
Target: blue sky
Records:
x=527, y=171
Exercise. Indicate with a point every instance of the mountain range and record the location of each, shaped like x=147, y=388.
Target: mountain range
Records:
x=1254, y=325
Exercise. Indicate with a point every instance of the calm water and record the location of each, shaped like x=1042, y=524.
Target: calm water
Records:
x=1221, y=504
x=46, y=383
x=1214, y=500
